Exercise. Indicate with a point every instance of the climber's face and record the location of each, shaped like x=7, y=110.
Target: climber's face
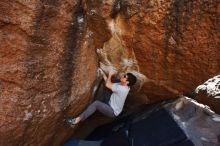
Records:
x=124, y=78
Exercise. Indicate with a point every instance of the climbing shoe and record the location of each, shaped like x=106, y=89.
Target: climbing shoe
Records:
x=70, y=121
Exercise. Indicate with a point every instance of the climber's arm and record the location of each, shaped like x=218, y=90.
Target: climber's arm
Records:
x=108, y=82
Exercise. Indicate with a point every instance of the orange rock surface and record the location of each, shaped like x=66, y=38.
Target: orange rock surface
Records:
x=48, y=57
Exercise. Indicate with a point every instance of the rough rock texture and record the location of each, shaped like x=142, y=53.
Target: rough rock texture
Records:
x=209, y=93
x=48, y=59
x=47, y=65
x=176, y=43
x=199, y=123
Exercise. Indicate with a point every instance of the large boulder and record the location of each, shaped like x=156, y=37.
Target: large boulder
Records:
x=175, y=43
x=48, y=57
x=209, y=93
x=197, y=120
x=47, y=66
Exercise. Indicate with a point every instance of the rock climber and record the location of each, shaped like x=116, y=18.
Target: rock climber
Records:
x=114, y=105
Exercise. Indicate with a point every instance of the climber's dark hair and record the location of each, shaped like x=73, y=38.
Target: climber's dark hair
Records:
x=131, y=79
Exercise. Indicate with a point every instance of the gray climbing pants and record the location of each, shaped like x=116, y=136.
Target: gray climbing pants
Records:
x=101, y=107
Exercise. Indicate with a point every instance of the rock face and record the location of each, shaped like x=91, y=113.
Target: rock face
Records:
x=210, y=89
x=47, y=66
x=48, y=57
x=198, y=122
x=171, y=41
